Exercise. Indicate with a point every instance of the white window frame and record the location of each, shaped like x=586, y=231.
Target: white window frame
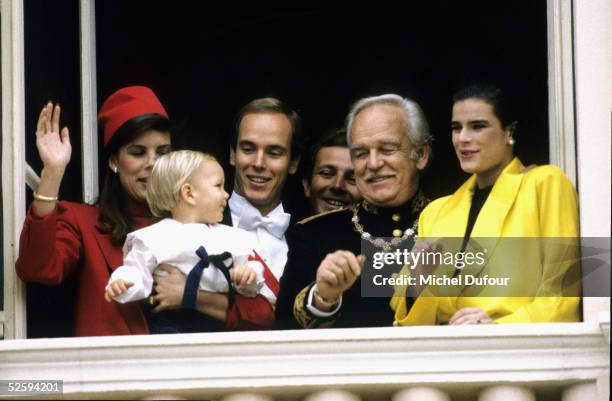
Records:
x=89, y=106
x=13, y=317
x=16, y=173
x=562, y=132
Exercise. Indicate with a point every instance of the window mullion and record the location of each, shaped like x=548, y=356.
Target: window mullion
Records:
x=89, y=131
x=13, y=163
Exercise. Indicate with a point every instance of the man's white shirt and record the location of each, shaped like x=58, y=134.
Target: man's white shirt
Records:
x=274, y=249
x=268, y=231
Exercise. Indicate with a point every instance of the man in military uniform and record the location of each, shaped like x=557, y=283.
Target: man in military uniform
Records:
x=388, y=139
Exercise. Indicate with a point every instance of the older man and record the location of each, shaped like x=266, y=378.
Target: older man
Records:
x=389, y=141
x=328, y=176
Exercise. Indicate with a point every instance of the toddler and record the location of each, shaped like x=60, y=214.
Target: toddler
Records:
x=187, y=188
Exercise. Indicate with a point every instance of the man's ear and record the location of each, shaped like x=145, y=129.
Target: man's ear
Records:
x=186, y=193
x=232, y=157
x=293, y=164
x=423, y=156
x=306, y=186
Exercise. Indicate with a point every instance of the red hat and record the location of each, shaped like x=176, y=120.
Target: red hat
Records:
x=126, y=104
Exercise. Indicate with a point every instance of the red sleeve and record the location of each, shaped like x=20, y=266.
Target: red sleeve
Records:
x=250, y=314
x=49, y=247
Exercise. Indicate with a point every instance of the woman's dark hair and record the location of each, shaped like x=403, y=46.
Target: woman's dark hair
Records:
x=113, y=218
x=493, y=95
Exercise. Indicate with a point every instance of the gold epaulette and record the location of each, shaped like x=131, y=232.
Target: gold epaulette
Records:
x=307, y=219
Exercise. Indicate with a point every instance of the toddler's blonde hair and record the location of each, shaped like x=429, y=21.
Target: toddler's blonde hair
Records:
x=170, y=172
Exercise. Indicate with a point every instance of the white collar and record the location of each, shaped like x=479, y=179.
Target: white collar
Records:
x=248, y=217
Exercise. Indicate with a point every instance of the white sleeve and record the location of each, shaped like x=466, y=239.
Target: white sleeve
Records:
x=137, y=268
x=311, y=308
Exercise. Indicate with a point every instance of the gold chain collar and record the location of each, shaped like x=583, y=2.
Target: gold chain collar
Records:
x=418, y=203
x=377, y=241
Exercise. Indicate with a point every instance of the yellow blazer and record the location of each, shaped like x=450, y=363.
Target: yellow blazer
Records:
x=539, y=203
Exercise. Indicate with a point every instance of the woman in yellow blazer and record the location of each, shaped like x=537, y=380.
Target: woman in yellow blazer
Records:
x=501, y=200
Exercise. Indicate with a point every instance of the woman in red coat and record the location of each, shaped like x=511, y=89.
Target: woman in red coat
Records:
x=61, y=238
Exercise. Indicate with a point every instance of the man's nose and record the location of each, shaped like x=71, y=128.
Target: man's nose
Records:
x=374, y=160
x=338, y=186
x=339, y=182
x=259, y=161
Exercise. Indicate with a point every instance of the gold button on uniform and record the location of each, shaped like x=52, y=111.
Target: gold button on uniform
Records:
x=396, y=217
x=397, y=233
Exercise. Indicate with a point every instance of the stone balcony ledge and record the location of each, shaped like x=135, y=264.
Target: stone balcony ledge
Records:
x=294, y=363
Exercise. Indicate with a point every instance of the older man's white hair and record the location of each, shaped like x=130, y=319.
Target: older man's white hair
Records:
x=417, y=128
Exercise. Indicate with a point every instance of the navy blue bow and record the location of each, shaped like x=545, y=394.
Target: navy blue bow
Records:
x=224, y=262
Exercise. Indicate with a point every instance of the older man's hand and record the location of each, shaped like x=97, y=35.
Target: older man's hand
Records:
x=337, y=273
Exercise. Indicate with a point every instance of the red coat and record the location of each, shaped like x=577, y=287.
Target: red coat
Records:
x=68, y=241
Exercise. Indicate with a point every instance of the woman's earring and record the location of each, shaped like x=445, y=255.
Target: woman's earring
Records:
x=510, y=141
x=115, y=169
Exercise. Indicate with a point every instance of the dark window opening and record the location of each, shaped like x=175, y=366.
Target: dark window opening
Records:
x=205, y=61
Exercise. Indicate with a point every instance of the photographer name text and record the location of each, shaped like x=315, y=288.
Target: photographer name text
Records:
x=433, y=280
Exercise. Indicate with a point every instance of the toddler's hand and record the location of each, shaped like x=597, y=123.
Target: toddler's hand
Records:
x=116, y=288
x=243, y=276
